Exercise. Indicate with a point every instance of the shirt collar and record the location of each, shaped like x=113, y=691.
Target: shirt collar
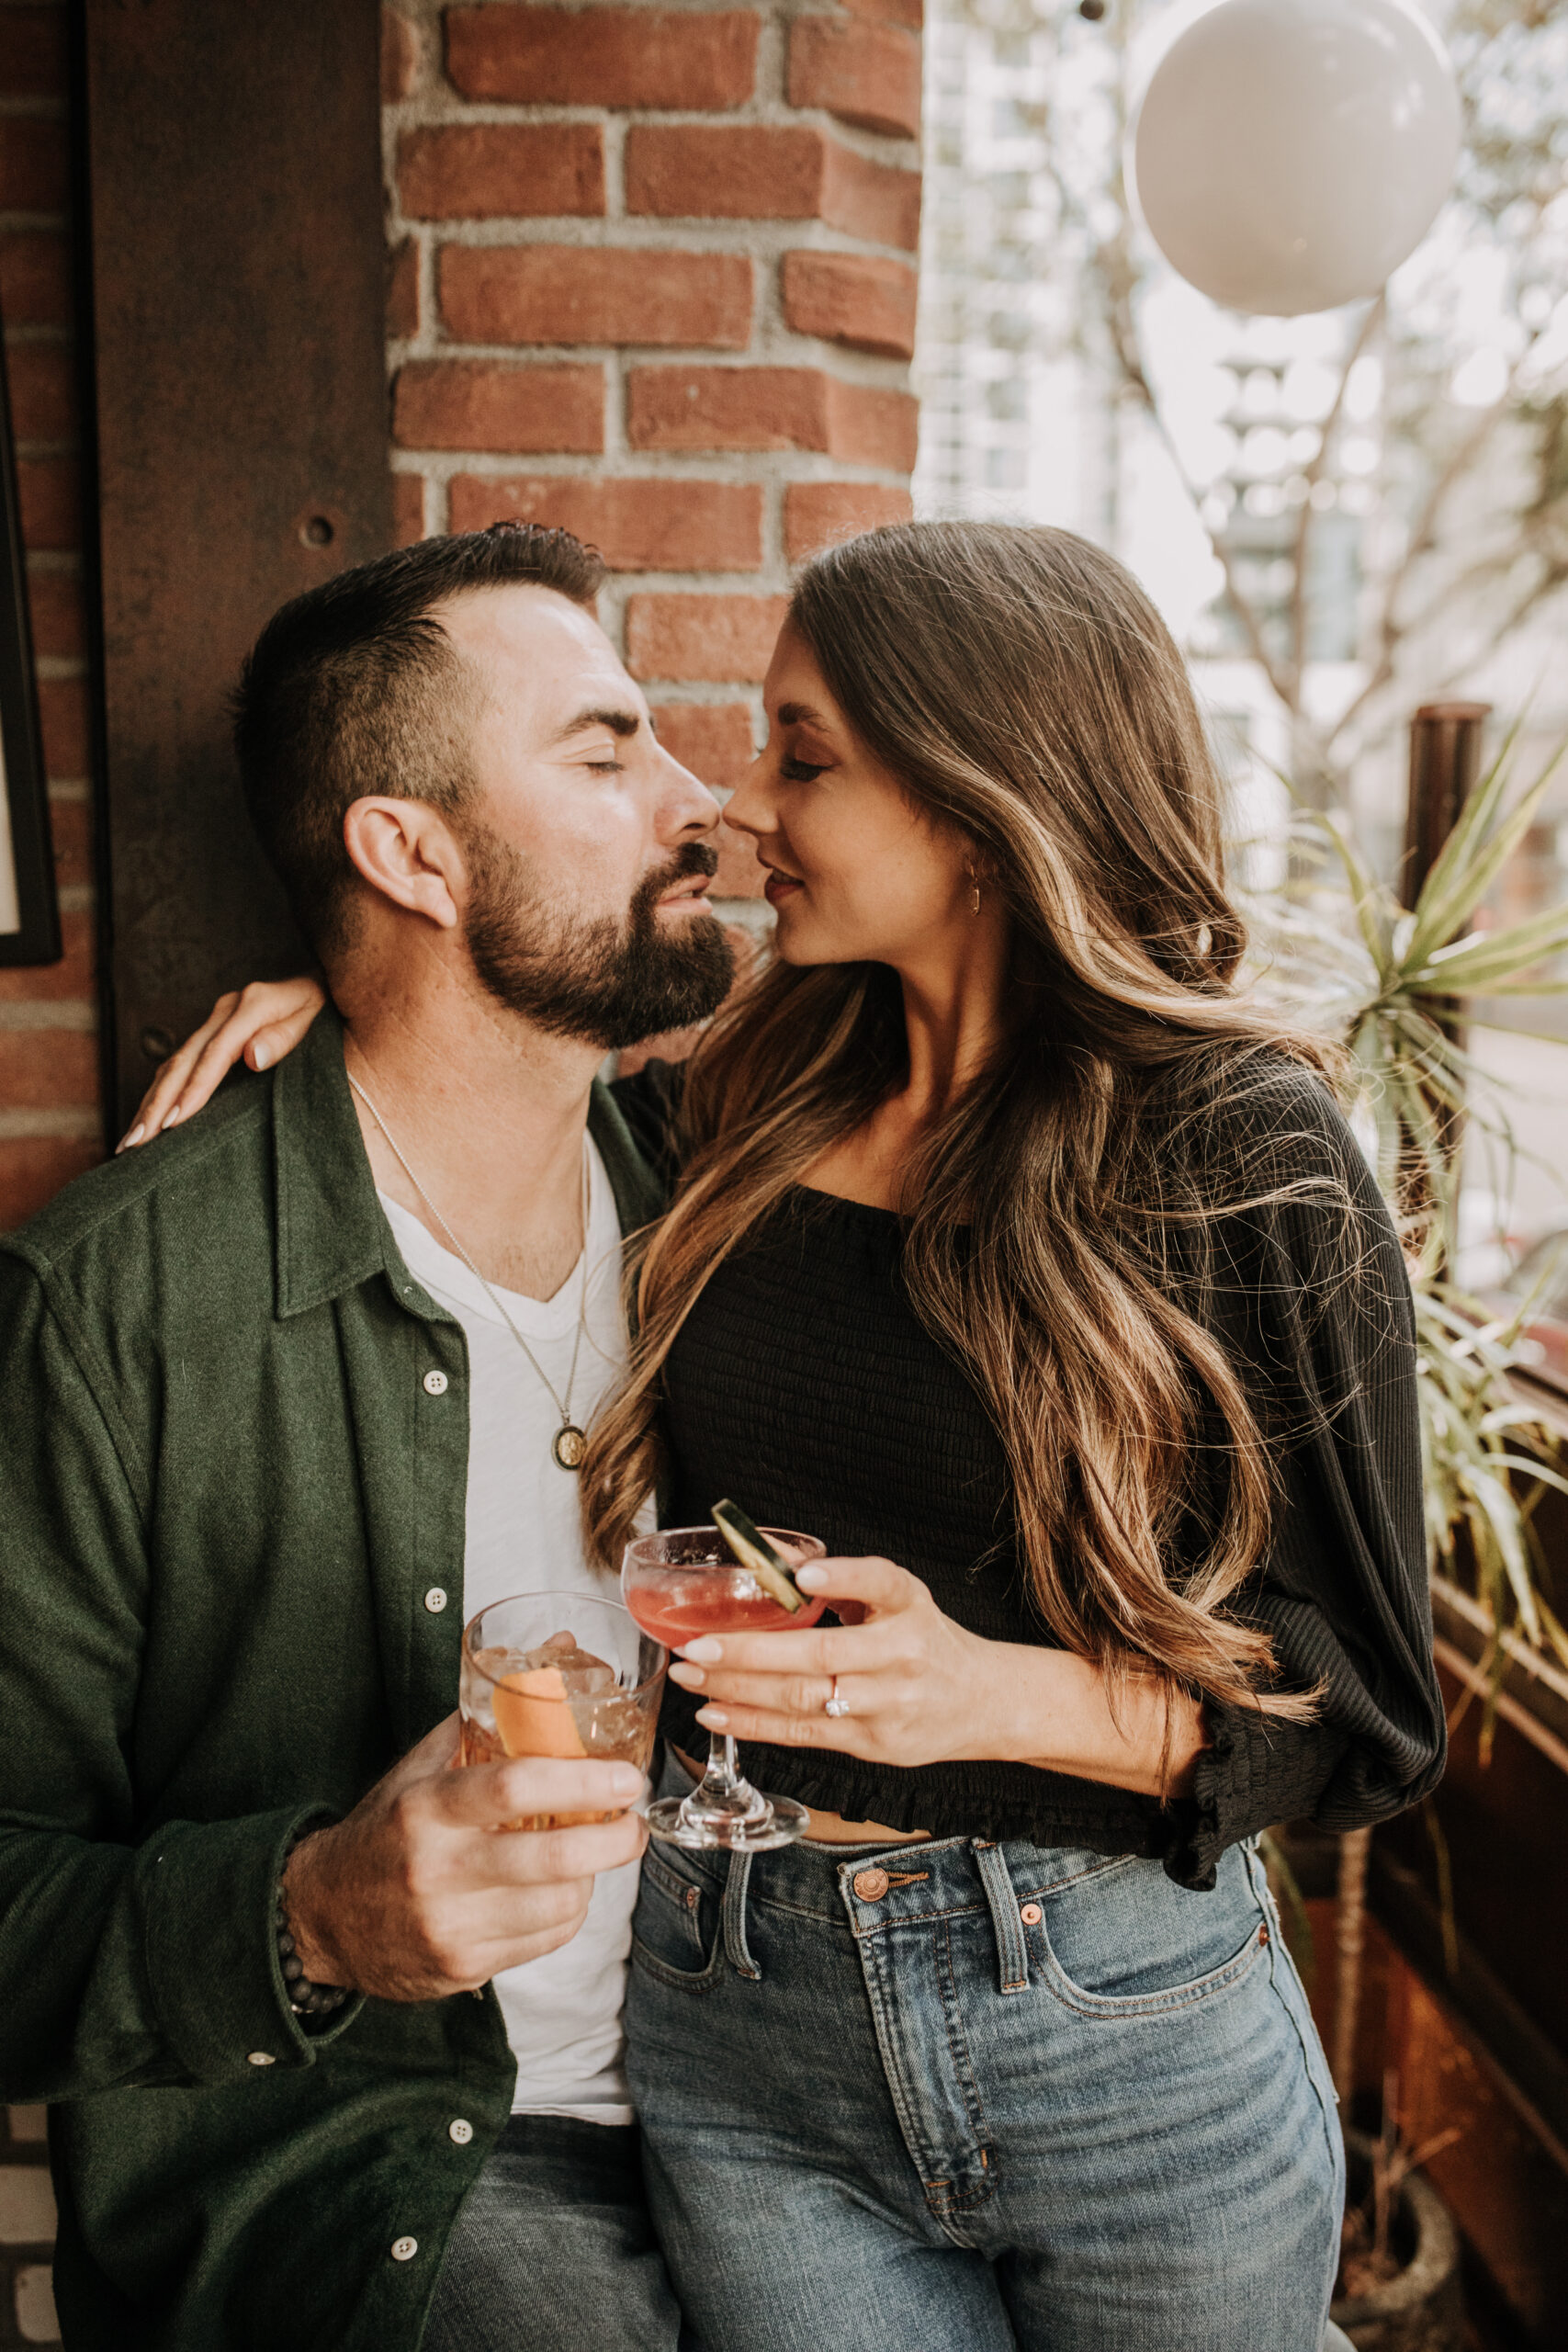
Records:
x=331, y=1233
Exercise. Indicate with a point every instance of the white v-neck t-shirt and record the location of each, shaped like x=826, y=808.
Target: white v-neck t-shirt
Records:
x=563, y=2011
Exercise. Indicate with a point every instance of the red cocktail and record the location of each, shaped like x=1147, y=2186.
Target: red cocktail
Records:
x=688, y=1605
x=678, y=1585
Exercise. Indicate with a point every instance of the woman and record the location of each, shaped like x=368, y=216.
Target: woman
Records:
x=1019, y=1258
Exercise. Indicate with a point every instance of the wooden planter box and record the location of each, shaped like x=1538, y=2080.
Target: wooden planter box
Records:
x=1474, y=2020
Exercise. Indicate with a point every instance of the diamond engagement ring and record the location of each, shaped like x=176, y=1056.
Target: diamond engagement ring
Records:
x=833, y=1705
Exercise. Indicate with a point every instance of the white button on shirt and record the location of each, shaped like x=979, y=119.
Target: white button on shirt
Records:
x=435, y=1600
x=461, y=2130
x=404, y=2249
x=436, y=1383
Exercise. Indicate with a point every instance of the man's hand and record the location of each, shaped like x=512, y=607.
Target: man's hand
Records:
x=423, y=1890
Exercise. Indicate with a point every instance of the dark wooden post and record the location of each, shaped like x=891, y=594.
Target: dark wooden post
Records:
x=239, y=267
x=1445, y=760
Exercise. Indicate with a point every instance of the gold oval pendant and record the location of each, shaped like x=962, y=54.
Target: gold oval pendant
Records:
x=568, y=1445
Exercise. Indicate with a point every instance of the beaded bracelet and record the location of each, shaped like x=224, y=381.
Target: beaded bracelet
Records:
x=306, y=2000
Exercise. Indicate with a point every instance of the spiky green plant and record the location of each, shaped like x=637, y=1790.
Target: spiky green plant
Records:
x=1391, y=982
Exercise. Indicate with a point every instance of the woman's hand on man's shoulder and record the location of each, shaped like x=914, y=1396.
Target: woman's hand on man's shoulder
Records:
x=258, y=1025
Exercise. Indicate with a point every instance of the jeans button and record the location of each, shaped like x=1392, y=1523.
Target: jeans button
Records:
x=871, y=1885
x=1032, y=1915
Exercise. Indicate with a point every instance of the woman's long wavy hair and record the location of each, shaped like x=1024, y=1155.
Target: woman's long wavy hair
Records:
x=1030, y=698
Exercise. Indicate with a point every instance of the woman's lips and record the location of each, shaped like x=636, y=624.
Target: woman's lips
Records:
x=779, y=887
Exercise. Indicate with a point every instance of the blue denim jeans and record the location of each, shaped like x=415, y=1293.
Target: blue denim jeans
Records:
x=971, y=2097
x=554, y=2250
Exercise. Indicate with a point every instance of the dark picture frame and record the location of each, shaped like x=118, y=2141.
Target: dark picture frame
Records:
x=35, y=936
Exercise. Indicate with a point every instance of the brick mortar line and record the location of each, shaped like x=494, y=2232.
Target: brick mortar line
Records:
x=771, y=79
x=74, y=1013
x=69, y=788
x=617, y=447
x=615, y=214
x=21, y=337
x=38, y=108
x=703, y=693
x=865, y=371
x=427, y=14
x=59, y=665
x=759, y=240
x=444, y=111
x=733, y=468
x=34, y=1127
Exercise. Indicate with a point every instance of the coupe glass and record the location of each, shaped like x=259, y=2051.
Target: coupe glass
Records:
x=679, y=1584
x=558, y=1674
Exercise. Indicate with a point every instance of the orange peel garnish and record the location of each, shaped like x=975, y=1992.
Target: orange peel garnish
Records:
x=532, y=1716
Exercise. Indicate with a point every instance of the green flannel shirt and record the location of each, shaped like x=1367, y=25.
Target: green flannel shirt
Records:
x=231, y=1523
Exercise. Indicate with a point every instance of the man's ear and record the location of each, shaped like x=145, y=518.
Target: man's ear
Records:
x=406, y=850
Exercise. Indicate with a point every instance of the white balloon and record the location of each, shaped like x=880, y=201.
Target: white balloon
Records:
x=1289, y=154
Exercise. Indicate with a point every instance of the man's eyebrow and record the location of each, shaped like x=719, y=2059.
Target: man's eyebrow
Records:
x=800, y=714
x=624, y=723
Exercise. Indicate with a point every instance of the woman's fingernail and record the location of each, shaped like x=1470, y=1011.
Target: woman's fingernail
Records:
x=174, y=1114
x=811, y=1579
x=713, y=1719
x=690, y=1678
x=260, y=1057
x=707, y=1652
x=137, y=1132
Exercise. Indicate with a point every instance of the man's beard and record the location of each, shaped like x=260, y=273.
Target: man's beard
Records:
x=611, y=984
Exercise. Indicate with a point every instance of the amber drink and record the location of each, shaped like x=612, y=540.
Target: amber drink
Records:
x=560, y=1674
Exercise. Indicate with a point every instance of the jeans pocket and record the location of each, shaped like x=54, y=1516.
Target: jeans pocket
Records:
x=1129, y=1943
x=675, y=1929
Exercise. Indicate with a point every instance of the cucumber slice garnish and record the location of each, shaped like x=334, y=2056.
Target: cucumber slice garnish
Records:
x=757, y=1556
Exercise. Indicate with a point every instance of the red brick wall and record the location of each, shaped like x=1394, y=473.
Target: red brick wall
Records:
x=652, y=276
x=50, y=1118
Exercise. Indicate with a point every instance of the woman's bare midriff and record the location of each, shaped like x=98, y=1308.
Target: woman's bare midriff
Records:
x=831, y=1828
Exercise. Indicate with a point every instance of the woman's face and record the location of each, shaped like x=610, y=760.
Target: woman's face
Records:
x=857, y=873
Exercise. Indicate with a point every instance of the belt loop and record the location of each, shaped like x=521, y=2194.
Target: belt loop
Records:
x=1012, y=1952
x=733, y=1914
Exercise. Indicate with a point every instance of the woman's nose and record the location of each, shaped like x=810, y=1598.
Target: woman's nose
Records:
x=748, y=807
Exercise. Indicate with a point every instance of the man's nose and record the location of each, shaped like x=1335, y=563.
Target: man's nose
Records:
x=688, y=809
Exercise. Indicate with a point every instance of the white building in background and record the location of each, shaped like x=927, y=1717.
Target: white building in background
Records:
x=1026, y=417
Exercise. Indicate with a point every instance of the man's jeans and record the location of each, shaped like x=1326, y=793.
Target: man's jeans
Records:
x=990, y=2096
x=554, y=2251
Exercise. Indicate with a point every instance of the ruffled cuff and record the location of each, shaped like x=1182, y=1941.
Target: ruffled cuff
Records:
x=1255, y=1771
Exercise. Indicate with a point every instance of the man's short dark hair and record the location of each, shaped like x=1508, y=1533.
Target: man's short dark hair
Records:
x=353, y=688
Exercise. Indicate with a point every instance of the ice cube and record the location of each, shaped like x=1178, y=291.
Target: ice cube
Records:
x=581, y=1673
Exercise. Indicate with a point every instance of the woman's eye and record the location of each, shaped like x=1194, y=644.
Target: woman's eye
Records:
x=798, y=771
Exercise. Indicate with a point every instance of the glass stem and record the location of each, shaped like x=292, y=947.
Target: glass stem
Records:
x=723, y=1791
x=723, y=1775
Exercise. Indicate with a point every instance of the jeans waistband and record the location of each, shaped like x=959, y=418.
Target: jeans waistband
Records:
x=870, y=1889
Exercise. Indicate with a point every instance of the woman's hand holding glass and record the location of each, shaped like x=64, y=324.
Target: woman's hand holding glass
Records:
x=920, y=1688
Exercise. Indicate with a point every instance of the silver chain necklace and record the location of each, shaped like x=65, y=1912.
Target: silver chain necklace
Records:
x=568, y=1444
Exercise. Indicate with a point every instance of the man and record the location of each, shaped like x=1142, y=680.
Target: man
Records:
x=285, y=1398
